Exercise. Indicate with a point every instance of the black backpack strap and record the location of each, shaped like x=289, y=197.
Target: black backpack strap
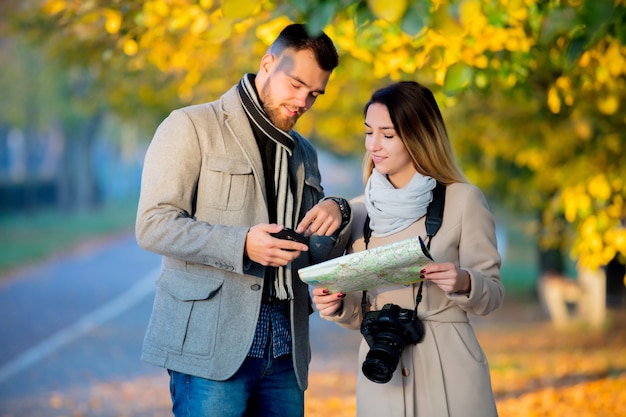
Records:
x=434, y=213
x=367, y=231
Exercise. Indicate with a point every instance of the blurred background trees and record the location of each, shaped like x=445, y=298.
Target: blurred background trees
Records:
x=533, y=91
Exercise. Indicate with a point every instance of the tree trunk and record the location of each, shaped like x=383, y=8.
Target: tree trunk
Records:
x=78, y=187
x=88, y=195
x=593, y=305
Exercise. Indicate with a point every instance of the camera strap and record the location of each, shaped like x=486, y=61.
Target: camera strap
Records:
x=434, y=218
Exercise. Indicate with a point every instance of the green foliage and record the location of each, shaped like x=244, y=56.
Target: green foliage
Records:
x=417, y=18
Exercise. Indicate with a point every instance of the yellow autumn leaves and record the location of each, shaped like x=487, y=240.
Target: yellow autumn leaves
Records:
x=602, y=71
x=461, y=43
x=469, y=40
x=598, y=209
x=447, y=41
x=453, y=48
x=391, y=11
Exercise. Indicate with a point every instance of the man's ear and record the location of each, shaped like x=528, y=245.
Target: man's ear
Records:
x=267, y=62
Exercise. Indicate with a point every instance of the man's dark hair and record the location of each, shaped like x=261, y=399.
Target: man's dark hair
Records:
x=296, y=36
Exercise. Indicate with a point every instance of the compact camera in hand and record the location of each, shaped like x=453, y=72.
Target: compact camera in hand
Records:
x=387, y=332
x=289, y=234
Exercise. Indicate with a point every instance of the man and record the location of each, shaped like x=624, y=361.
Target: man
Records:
x=230, y=316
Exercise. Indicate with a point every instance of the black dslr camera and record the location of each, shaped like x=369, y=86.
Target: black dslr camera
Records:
x=387, y=332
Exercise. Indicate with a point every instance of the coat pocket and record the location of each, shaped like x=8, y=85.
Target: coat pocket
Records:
x=229, y=180
x=468, y=340
x=185, y=314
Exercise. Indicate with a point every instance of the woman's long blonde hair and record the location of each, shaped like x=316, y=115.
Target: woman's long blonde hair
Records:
x=418, y=121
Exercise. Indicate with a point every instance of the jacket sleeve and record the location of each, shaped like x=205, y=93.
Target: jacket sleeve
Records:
x=350, y=315
x=165, y=221
x=478, y=254
x=321, y=248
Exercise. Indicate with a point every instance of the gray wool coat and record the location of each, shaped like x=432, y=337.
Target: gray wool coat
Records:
x=202, y=189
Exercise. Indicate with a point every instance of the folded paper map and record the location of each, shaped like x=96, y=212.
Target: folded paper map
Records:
x=397, y=263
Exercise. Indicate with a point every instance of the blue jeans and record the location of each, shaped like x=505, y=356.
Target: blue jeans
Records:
x=261, y=387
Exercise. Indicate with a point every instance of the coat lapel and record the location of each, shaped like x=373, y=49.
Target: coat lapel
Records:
x=238, y=125
x=297, y=172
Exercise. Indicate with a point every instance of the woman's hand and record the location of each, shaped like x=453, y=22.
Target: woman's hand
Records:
x=326, y=303
x=448, y=277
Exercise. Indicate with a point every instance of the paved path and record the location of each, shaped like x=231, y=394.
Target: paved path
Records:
x=77, y=322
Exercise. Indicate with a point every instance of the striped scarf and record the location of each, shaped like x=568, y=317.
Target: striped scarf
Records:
x=281, y=286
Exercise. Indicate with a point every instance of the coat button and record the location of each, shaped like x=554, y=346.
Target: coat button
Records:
x=255, y=287
x=405, y=372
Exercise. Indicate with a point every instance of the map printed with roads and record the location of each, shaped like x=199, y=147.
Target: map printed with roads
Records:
x=397, y=263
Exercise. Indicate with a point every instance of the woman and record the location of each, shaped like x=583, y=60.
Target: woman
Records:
x=408, y=152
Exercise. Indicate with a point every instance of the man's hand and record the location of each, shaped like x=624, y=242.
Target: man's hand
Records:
x=323, y=219
x=267, y=250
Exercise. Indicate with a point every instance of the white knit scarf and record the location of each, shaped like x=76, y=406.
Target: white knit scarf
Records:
x=393, y=209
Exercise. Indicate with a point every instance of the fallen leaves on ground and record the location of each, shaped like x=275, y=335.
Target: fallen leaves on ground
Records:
x=331, y=394
x=536, y=371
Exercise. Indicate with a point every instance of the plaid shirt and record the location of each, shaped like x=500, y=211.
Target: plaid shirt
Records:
x=274, y=326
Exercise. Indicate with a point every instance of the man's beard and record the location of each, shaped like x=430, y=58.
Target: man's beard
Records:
x=274, y=112
x=278, y=119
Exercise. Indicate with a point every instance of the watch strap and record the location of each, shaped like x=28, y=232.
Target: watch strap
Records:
x=344, y=207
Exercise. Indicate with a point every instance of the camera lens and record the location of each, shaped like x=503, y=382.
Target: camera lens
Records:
x=382, y=359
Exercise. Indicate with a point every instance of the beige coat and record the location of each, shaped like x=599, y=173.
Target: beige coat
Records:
x=447, y=374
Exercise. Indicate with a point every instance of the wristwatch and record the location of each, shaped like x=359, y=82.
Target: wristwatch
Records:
x=344, y=207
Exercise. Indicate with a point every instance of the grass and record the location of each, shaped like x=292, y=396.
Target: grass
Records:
x=27, y=238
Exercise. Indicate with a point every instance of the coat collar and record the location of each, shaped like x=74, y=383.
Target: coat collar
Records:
x=236, y=121
x=238, y=125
